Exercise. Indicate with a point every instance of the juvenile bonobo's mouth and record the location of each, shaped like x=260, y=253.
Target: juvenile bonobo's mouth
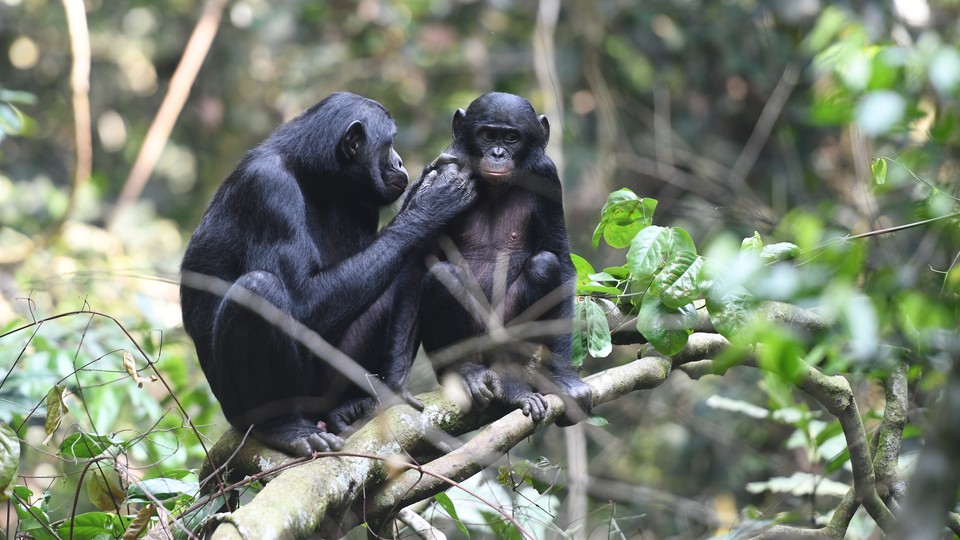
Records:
x=495, y=176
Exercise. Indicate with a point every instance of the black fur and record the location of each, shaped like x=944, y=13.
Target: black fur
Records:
x=508, y=255
x=296, y=223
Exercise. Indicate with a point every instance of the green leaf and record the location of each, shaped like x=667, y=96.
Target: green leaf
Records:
x=622, y=217
x=11, y=121
x=85, y=446
x=618, y=272
x=598, y=331
x=752, y=244
x=598, y=421
x=731, y=311
x=580, y=337
x=9, y=460
x=92, y=526
x=444, y=501
x=648, y=253
x=17, y=96
x=665, y=328
x=583, y=267
x=780, y=251
x=678, y=284
x=879, y=168
x=584, y=290
x=161, y=489
x=32, y=518
x=56, y=408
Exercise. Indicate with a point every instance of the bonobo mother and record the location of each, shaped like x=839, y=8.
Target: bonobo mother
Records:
x=296, y=224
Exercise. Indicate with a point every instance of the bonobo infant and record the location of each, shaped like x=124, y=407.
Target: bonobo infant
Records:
x=502, y=263
x=296, y=225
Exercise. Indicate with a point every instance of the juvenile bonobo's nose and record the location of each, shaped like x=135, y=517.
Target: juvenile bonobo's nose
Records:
x=498, y=152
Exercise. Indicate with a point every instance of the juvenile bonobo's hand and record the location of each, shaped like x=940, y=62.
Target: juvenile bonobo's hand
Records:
x=443, y=191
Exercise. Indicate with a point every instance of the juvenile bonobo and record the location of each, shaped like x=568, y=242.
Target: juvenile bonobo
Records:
x=296, y=224
x=507, y=262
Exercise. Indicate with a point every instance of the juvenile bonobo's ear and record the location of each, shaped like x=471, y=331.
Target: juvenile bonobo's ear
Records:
x=458, y=118
x=351, y=140
x=546, y=128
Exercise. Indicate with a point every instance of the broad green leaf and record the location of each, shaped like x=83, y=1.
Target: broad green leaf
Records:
x=830, y=22
x=752, y=244
x=665, y=328
x=879, y=169
x=103, y=487
x=444, y=501
x=681, y=241
x=85, y=445
x=92, y=526
x=780, y=251
x=194, y=518
x=678, y=283
x=598, y=421
x=583, y=267
x=9, y=460
x=619, y=272
x=731, y=311
x=598, y=331
x=648, y=253
x=579, y=333
x=622, y=217
x=160, y=489
x=584, y=290
x=602, y=276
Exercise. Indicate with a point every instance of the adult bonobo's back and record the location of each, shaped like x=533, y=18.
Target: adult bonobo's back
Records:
x=508, y=263
x=296, y=224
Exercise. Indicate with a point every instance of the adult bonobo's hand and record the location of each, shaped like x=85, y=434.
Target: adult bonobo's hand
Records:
x=443, y=191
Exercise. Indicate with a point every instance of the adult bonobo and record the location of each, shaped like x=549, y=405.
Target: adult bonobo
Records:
x=296, y=224
x=508, y=262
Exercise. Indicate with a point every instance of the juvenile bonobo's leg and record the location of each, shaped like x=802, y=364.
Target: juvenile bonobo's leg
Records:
x=451, y=314
x=262, y=368
x=538, y=279
x=539, y=293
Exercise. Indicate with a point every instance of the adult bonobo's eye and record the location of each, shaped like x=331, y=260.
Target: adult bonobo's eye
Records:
x=511, y=137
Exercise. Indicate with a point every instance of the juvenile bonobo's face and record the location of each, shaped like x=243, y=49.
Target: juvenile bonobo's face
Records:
x=498, y=132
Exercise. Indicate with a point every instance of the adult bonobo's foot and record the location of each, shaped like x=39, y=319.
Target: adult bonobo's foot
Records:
x=297, y=436
x=577, y=398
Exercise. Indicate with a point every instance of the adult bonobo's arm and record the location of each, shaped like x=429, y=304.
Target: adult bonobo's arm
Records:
x=437, y=198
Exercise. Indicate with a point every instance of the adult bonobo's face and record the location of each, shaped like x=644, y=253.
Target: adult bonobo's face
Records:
x=497, y=132
x=370, y=145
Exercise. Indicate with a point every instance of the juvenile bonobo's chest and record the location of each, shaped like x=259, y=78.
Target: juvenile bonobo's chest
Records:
x=498, y=225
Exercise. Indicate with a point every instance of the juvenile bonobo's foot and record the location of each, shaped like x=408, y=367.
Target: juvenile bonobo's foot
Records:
x=577, y=398
x=297, y=436
x=532, y=404
x=483, y=385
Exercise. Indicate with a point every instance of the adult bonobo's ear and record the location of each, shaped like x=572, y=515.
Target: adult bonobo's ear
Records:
x=458, y=121
x=351, y=140
x=546, y=129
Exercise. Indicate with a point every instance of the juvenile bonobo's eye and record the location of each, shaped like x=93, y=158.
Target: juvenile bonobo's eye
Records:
x=486, y=134
x=511, y=137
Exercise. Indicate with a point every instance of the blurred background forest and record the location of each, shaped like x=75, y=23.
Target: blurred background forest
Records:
x=801, y=119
